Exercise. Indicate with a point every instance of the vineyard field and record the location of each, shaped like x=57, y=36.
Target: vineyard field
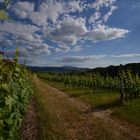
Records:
x=102, y=98
x=69, y=70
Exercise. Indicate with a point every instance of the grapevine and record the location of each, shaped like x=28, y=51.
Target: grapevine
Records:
x=15, y=92
x=126, y=83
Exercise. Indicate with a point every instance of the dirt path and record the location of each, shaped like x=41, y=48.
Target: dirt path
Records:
x=29, y=125
x=72, y=119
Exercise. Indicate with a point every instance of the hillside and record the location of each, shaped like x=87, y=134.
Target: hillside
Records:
x=64, y=69
x=110, y=70
x=113, y=70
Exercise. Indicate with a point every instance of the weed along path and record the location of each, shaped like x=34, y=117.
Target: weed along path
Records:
x=60, y=117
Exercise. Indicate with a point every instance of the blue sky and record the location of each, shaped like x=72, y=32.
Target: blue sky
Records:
x=82, y=33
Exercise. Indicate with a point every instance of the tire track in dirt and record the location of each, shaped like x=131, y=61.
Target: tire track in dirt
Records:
x=29, y=124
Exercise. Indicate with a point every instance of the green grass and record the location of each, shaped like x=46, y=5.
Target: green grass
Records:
x=100, y=99
x=130, y=111
x=43, y=124
x=104, y=100
x=45, y=119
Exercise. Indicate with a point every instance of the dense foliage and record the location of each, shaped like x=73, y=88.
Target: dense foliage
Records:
x=15, y=92
x=125, y=82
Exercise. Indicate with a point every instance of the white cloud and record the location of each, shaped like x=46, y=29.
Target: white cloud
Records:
x=17, y=28
x=28, y=40
x=77, y=48
x=97, y=60
x=107, y=15
x=68, y=31
x=52, y=9
x=35, y=49
x=62, y=48
x=98, y=17
x=74, y=6
x=55, y=21
x=45, y=48
x=22, y=9
x=71, y=59
x=26, y=35
x=125, y=55
x=95, y=17
x=104, y=33
x=38, y=18
x=98, y=4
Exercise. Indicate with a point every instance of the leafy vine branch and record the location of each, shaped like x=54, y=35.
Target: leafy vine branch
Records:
x=3, y=6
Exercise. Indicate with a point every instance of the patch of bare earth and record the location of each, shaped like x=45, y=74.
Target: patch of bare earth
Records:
x=29, y=125
x=75, y=120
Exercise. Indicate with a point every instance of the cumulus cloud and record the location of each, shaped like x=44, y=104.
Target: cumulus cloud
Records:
x=52, y=9
x=27, y=37
x=17, y=29
x=104, y=33
x=38, y=18
x=24, y=33
x=62, y=23
x=38, y=49
x=68, y=31
x=74, y=6
x=99, y=17
x=45, y=48
x=72, y=30
x=95, y=17
x=62, y=48
x=23, y=9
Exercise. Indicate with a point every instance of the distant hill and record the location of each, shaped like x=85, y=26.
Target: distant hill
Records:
x=64, y=69
x=113, y=70
x=110, y=70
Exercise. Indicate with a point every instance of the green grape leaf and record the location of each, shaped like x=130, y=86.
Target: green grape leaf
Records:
x=3, y=15
x=9, y=100
x=4, y=87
